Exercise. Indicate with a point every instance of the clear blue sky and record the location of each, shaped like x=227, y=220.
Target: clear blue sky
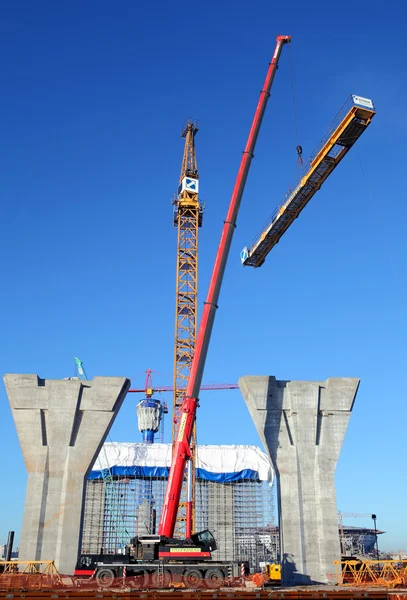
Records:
x=93, y=98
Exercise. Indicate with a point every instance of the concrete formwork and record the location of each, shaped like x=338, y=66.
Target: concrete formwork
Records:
x=302, y=425
x=61, y=425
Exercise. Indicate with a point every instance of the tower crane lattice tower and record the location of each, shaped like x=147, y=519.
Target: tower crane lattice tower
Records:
x=188, y=214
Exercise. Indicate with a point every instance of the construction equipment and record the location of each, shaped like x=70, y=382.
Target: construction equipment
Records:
x=384, y=573
x=273, y=574
x=162, y=557
x=80, y=371
x=181, y=451
x=80, y=368
x=150, y=412
x=157, y=562
x=270, y=575
x=349, y=124
x=150, y=389
x=188, y=214
x=32, y=576
x=155, y=409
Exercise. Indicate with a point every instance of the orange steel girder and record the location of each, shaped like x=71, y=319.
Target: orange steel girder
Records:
x=187, y=219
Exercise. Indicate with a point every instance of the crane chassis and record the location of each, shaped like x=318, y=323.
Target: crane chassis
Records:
x=152, y=561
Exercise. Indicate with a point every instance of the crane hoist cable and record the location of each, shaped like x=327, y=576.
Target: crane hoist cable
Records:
x=297, y=128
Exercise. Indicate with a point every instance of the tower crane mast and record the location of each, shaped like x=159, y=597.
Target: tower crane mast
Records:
x=188, y=214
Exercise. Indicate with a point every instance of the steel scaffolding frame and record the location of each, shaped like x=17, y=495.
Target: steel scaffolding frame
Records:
x=241, y=514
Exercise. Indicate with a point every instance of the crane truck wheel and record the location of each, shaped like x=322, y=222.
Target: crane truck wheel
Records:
x=214, y=579
x=105, y=577
x=192, y=578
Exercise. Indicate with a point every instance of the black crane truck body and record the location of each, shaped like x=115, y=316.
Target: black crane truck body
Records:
x=153, y=561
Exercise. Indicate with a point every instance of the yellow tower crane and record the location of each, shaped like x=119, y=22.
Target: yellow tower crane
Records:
x=188, y=214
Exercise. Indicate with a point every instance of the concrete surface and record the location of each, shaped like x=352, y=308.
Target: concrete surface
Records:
x=61, y=425
x=302, y=425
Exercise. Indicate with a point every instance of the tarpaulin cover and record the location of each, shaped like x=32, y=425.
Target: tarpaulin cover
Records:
x=214, y=463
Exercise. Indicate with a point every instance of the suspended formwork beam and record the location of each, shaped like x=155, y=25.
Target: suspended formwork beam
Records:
x=347, y=127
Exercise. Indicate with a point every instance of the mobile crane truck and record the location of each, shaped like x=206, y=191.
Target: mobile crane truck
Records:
x=161, y=560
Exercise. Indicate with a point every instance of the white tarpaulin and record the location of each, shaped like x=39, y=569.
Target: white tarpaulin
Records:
x=211, y=459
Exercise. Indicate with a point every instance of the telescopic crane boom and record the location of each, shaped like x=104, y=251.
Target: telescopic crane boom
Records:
x=181, y=451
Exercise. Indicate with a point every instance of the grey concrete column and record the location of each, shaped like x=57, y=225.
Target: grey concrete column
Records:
x=61, y=425
x=302, y=425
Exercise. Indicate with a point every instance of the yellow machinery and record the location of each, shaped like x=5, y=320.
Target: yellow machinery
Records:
x=348, y=126
x=269, y=576
x=273, y=572
x=188, y=214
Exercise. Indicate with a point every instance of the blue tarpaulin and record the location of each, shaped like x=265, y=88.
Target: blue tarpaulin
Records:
x=160, y=472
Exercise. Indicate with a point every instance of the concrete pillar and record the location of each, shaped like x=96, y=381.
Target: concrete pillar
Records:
x=302, y=425
x=61, y=425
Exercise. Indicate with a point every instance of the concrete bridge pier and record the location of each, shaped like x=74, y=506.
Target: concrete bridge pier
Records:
x=302, y=425
x=61, y=425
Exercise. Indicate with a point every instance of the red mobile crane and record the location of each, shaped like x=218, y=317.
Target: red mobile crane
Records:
x=159, y=559
x=188, y=411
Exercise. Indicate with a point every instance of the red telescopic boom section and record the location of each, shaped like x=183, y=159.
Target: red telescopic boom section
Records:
x=181, y=451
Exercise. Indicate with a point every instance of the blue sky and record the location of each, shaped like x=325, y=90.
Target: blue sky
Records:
x=93, y=98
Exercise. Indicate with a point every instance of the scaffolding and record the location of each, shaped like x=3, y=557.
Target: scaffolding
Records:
x=240, y=513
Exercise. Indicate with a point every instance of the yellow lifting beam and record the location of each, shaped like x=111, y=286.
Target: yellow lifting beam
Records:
x=354, y=117
x=41, y=567
x=384, y=573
